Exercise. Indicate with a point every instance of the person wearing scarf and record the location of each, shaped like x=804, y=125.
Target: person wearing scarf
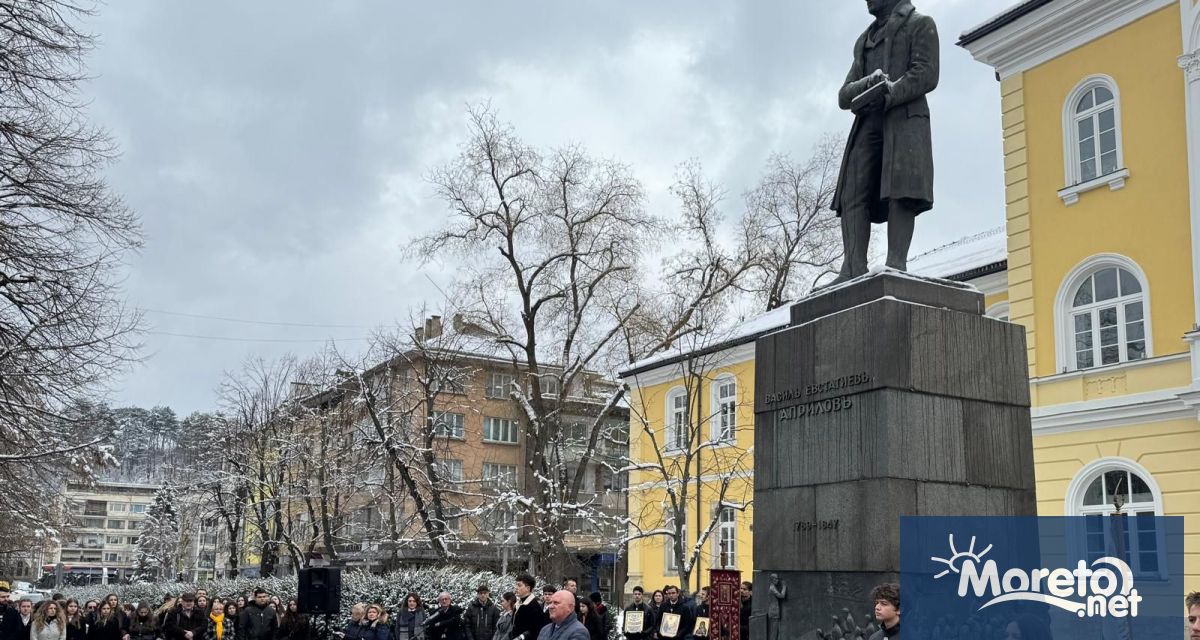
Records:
x=219, y=628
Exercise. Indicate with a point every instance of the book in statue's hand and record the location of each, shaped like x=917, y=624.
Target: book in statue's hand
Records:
x=871, y=95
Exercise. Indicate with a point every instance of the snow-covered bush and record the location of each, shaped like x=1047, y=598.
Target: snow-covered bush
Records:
x=387, y=589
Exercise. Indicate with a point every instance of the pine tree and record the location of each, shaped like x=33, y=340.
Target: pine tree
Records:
x=158, y=544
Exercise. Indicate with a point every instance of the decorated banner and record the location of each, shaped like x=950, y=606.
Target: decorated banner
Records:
x=724, y=604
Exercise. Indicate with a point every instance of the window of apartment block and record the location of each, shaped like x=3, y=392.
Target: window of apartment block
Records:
x=499, y=521
x=448, y=379
x=135, y=524
x=93, y=523
x=500, y=477
x=114, y=540
x=452, y=470
x=550, y=384
x=116, y=524
x=499, y=385
x=138, y=508
x=131, y=540
x=449, y=425
x=500, y=430
x=725, y=404
x=117, y=507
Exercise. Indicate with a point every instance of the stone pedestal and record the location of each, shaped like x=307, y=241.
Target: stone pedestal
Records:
x=888, y=396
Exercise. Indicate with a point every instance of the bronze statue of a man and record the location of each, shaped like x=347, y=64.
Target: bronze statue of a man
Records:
x=887, y=170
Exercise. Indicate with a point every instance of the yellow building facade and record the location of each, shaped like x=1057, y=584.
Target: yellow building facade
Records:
x=1099, y=104
x=691, y=423
x=1099, y=260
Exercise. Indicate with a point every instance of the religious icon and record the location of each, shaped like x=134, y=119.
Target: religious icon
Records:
x=634, y=621
x=669, y=627
x=701, y=629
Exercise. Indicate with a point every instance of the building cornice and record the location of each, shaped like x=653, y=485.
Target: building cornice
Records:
x=1044, y=31
x=674, y=369
x=1121, y=411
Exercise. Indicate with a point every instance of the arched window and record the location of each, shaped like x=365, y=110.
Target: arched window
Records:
x=676, y=419
x=1106, y=486
x=1103, y=314
x=724, y=420
x=1092, y=137
x=1108, y=318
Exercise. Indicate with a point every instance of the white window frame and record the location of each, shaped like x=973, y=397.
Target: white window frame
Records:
x=675, y=421
x=138, y=508
x=456, y=428
x=499, y=476
x=498, y=385
x=117, y=507
x=1073, y=178
x=550, y=383
x=1077, y=490
x=717, y=430
x=726, y=533
x=1064, y=323
x=451, y=469
x=504, y=426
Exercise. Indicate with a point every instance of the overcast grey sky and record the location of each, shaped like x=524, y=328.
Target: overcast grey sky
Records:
x=276, y=151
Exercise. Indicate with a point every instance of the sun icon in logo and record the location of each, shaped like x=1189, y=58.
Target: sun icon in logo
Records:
x=958, y=557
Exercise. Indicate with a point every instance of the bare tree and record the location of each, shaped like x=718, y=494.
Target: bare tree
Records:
x=63, y=328
x=788, y=220
x=693, y=456
x=406, y=392
x=555, y=242
x=259, y=422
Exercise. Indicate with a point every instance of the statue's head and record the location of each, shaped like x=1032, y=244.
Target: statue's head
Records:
x=774, y=578
x=882, y=8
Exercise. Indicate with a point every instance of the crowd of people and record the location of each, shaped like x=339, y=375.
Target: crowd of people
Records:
x=517, y=615
x=190, y=616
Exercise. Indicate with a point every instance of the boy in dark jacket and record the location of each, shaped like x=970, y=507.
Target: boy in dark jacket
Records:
x=887, y=611
x=529, y=617
x=258, y=620
x=481, y=616
x=648, y=620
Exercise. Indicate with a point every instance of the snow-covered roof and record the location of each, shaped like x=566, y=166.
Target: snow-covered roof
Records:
x=959, y=259
x=745, y=331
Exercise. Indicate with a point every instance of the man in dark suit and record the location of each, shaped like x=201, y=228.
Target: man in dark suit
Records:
x=446, y=622
x=564, y=622
x=887, y=170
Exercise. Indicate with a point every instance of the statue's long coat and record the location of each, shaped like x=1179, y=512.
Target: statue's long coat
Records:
x=912, y=62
